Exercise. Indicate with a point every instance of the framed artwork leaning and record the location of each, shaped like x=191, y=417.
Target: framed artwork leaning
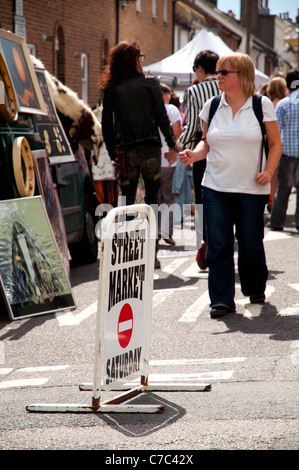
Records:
x=15, y=54
x=52, y=204
x=50, y=127
x=32, y=274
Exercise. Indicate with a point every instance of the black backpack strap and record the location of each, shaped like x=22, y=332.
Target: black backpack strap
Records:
x=258, y=111
x=213, y=108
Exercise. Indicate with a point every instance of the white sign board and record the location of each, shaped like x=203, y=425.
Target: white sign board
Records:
x=126, y=284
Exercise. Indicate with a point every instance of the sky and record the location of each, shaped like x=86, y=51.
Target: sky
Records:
x=275, y=6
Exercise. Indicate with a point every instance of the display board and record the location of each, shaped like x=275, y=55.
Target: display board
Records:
x=50, y=127
x=126, y=300
x=33, y=278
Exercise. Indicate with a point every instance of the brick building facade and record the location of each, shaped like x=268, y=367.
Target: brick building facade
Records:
x=72, y=37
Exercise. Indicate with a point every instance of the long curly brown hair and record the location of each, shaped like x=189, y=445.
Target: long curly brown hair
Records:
x=122, y=65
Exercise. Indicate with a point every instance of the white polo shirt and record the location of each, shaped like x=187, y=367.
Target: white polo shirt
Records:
x=235, y=145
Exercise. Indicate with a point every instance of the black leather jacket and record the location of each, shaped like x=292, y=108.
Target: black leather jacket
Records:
x=132, y=114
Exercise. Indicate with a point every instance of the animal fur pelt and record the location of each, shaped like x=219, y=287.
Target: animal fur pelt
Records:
x=85, y=128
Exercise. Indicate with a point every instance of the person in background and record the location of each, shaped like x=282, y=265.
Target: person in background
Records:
x=287, y=111
x=235, y=191
x=276, y=90
x=175, y=100
x=165, y=197
x=133, y=113
x=204, y=67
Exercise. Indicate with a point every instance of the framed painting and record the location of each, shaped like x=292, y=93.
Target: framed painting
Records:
x=51, y=199
x=32, y=275
x=15, y=54
x=50, y=127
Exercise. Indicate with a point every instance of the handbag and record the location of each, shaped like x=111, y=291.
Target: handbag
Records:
x=104, y=169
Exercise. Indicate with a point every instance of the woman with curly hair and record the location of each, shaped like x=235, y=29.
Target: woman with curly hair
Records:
x=133, y=112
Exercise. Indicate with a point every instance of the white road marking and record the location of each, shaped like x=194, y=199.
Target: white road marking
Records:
x=295, y=354
x=162, y=295
x=42, y=368
x=195, y=309
x=5, y=371
x=294, y=286
x=254, y=310
x=194, y=271
x=270, y=236
x=189, y=378
x=164, y=377
x=24, y=383
x=294, y=309
x=174, y=265
x=290, y=311
x=70, y=318
x=174, y=362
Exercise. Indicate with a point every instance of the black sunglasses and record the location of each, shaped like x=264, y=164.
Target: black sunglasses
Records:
x=225, y=72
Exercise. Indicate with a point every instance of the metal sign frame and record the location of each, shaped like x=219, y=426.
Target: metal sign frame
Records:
x=142, y=214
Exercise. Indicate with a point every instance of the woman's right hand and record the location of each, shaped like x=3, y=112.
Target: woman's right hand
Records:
x=187, y=157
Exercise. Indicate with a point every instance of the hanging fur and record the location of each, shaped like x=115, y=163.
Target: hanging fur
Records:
x=85, y=128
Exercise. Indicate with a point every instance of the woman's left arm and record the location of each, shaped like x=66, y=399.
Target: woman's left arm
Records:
x=275, y=149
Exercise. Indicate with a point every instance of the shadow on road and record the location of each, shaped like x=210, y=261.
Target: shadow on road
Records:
x=143, y=424
x=267, y=322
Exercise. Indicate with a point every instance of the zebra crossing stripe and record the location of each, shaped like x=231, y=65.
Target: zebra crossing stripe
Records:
x=193, y=312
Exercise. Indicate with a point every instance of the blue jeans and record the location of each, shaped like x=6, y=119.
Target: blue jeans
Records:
x=287, y=176
x=245, y=212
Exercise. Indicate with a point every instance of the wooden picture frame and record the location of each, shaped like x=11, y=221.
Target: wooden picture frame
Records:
x=15, y=55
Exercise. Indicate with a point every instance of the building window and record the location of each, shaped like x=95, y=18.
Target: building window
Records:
x=154, y=9
x=84, y=77
x=59, y=58
x=138, y=5
x=165, y=11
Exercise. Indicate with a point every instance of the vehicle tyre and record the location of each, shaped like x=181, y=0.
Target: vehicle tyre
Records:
x=86, y=251
x=23, y=167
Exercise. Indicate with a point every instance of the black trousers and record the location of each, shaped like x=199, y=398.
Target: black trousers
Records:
x=147, y=162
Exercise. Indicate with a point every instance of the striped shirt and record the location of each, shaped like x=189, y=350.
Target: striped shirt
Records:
x=287, y=111
x=197, y=95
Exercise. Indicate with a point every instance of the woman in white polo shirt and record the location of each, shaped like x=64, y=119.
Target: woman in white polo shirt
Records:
x=235, y=191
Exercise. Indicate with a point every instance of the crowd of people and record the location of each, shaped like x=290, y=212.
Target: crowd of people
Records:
x=240, y=163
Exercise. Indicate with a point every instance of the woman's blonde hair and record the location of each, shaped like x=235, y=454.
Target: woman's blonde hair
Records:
x=277, y=88
x=244, y=65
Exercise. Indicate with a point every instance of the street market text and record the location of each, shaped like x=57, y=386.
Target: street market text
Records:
x=127, y=282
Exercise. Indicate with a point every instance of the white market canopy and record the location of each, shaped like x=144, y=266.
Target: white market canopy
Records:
x=179, y=65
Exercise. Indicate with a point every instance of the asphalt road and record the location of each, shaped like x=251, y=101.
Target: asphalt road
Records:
x=250, y=359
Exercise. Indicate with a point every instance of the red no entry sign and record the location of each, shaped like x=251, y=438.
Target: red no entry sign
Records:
x=125, y=325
